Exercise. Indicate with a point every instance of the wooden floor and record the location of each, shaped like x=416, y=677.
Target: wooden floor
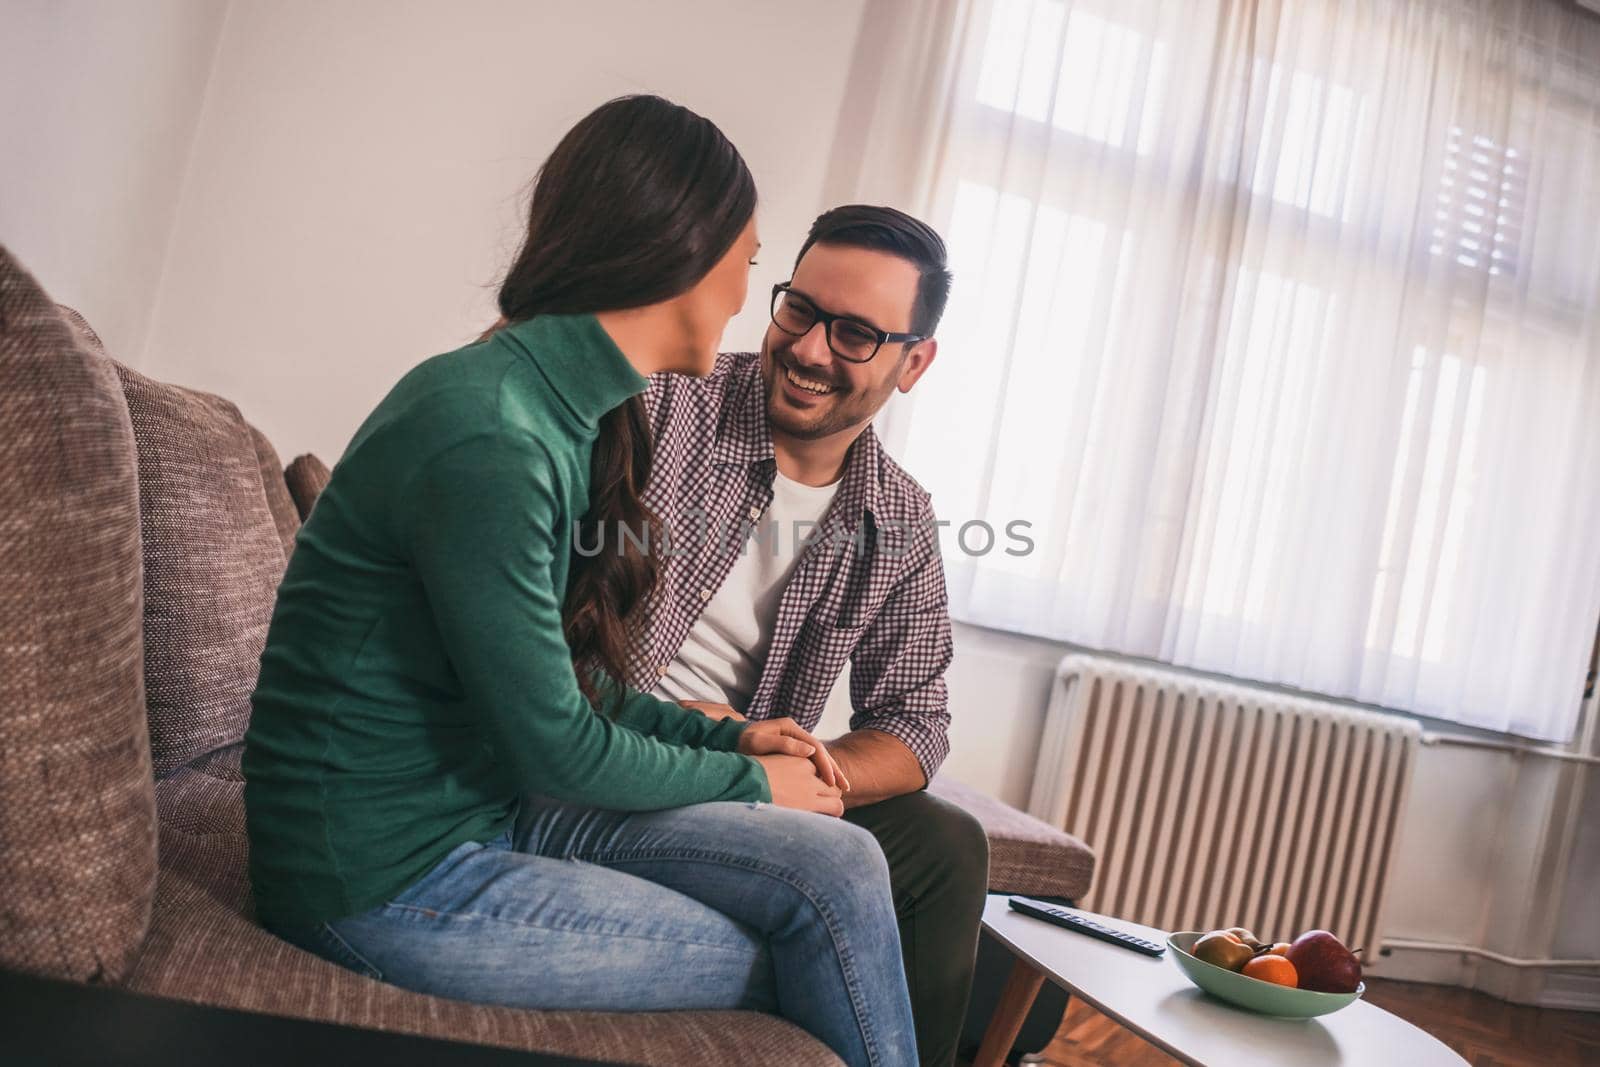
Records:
x=1485, y=1031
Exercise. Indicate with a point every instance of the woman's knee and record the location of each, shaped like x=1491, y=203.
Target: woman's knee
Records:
x=832, y=851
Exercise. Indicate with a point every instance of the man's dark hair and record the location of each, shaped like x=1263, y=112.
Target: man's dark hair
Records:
x=887, y=230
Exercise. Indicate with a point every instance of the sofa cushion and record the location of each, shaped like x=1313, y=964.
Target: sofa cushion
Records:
x=307, y=477
x=1026, y=856
x=204, y=947
x=213, y=556
x=77, y=805
x=201, y=950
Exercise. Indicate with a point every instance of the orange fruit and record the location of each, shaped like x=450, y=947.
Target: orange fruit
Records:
x=1268, y=967
x=1280, y=949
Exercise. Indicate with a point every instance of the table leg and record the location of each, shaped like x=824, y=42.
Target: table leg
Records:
x=1022, y=985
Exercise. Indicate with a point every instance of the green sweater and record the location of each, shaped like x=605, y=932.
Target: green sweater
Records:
x=415, y=679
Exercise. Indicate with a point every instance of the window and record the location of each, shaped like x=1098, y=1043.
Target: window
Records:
x=1281, y=341
x=1478, y=212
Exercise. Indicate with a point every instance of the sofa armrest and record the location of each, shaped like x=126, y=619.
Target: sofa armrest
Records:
x=1026, y=855
x=307, y=477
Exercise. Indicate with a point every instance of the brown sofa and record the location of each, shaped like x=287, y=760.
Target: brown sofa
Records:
x=143, y=530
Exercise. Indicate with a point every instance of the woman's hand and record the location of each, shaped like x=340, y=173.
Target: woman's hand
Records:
x=794, y=784
x=785, y=737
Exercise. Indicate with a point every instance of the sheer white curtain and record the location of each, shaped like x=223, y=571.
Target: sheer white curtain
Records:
x=1277, y=320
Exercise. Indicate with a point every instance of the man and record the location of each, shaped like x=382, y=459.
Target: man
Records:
x=749, y=619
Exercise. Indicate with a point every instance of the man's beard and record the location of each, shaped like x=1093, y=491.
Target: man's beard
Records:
x=840, y=410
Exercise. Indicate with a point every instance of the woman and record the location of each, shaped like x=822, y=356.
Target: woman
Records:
x=418, y=675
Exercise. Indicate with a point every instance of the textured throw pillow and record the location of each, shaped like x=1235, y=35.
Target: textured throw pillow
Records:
x=88, y=340
x=213, y=558
x=77, y=802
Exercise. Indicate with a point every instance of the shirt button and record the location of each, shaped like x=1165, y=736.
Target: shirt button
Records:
x=755, y=512
x=661, y=671
x=705, y=594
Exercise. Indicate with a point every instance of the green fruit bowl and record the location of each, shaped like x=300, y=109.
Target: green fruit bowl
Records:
x=1252, y=994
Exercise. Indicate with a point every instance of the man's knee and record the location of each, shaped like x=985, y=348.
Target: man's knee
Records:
x=961, y=840
x=937, y=842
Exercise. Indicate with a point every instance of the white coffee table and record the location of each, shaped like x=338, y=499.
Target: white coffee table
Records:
x=1152, y=998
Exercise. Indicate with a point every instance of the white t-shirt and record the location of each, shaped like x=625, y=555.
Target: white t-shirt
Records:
x=721, y=659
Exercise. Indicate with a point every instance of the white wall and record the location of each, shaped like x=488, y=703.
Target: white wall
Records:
x=1580, y=930
x=101, y=103
x=1578, y=926
x=358, y=176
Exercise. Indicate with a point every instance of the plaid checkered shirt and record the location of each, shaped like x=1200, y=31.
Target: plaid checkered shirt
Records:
x=868, y=589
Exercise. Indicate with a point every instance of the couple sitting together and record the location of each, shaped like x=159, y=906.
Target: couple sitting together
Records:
x=509, y=747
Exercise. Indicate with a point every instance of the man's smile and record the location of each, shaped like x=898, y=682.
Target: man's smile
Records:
x=810, y=385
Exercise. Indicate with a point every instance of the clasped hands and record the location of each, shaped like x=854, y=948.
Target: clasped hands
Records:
x=801, y=772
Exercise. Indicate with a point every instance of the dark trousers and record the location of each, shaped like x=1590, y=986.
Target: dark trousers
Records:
x=939, y=871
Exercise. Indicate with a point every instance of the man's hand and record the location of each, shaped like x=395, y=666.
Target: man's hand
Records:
x=784, y=737
x=712, y=710
x=794, y=784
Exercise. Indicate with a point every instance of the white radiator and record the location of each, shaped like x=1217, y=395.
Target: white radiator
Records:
x=1215, y=804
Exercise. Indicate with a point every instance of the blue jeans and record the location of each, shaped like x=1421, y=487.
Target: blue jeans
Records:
x=707, y=907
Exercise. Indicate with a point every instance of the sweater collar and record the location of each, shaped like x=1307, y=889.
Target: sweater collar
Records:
x=584, y=367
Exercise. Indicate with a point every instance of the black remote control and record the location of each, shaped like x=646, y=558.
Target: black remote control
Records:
x=1073, y=921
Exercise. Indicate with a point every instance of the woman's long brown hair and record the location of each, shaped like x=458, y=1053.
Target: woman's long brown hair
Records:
x=635, y=205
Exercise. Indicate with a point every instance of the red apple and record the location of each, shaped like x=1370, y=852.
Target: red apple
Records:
x=1324, y=964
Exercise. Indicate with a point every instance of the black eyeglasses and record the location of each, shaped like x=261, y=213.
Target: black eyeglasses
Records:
x=850, y=339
